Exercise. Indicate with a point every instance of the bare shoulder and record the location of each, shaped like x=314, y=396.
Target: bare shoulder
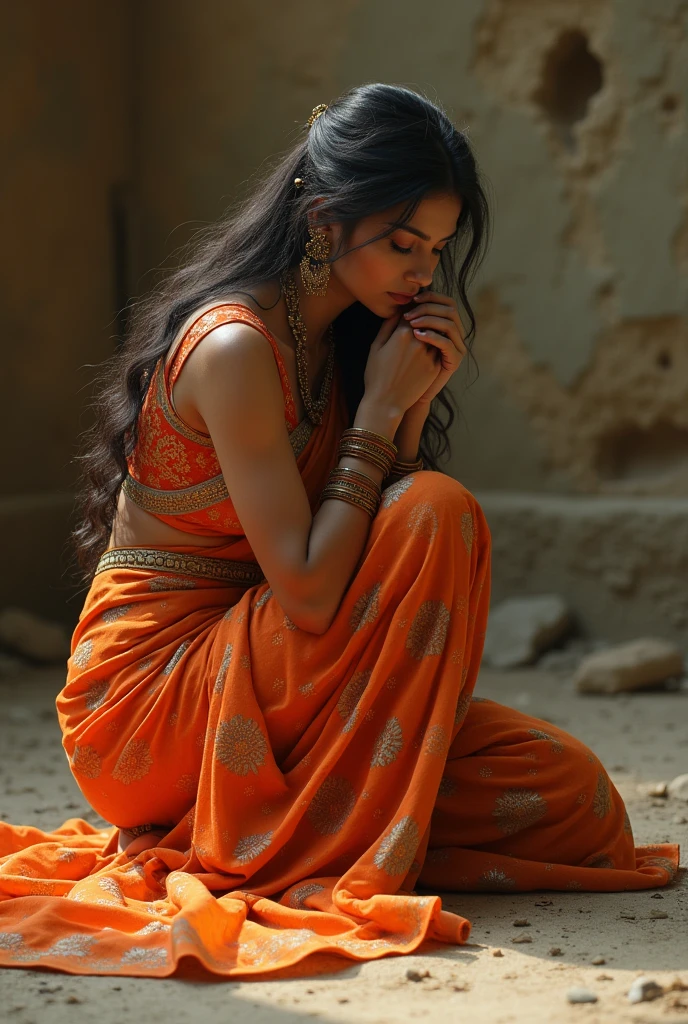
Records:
x=233, y=346
x=232, y=379
x=200, y=311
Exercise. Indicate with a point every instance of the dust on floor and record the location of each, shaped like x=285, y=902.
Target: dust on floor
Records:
x=640, y=738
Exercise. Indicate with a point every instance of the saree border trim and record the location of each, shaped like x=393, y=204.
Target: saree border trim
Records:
x=300, y=436
x=202, y=567
x=199, y=496
x=178, y=502
x=172, y=416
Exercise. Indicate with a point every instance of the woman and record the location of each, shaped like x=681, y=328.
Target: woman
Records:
x=270, y=689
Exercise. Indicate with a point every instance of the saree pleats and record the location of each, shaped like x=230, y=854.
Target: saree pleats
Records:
x=309, y=784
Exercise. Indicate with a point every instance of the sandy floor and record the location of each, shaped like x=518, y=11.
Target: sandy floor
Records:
x=641, y=739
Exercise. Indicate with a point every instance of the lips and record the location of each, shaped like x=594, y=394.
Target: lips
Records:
x=402, y=296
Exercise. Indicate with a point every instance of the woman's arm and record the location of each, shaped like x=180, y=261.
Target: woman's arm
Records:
x=408, y=435
x=308, y=560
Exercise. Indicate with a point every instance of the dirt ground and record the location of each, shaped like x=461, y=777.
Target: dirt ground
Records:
x=641, y=739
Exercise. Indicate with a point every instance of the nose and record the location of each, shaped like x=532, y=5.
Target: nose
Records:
x=422, y=273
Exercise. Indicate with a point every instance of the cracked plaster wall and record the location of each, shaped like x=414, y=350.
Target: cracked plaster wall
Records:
x=583, y=303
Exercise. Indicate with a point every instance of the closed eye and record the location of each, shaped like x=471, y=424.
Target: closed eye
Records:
x=399, y=248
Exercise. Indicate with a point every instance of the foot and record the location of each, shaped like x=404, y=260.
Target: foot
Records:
x=133, y=845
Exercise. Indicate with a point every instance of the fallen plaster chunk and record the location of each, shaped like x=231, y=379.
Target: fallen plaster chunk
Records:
x=623, y=668
x=643, y=990
x=581, y=995
x=521, y=628
x=678, y=788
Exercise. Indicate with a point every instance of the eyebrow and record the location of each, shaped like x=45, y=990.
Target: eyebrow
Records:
x=415, y=231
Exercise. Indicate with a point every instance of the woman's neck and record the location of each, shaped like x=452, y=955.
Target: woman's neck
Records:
x=319, y=311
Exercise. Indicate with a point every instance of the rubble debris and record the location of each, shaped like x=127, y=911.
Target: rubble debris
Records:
x=656, y=790
x=648, y=661
x=678, y=788
x=581, y=995
x=521, y=628
x=413, y=974
x=644, y=990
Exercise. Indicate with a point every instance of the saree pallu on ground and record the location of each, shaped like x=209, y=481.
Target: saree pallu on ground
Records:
x=310, y=783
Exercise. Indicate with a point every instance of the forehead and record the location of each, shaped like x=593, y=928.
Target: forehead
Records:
x=436, y=215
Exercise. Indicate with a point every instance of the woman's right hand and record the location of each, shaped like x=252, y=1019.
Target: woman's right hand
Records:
x=400, y=367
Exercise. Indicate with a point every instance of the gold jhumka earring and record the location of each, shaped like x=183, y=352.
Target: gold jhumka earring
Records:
x=315, y=270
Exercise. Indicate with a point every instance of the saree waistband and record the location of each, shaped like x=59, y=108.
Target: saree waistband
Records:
x=199, y=566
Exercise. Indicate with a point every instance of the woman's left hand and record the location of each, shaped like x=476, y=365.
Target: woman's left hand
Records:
x=438, y=317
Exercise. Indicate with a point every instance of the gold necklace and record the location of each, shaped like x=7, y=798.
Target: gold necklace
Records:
x=314, y=409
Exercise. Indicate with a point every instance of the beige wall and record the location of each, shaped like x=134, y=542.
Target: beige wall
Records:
x=65, y=95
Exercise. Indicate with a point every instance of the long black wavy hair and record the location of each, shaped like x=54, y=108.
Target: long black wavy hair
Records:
x=375, y=147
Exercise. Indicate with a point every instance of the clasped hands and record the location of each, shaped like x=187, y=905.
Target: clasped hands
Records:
x=436, y=321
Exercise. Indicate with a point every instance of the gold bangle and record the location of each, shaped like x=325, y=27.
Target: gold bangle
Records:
x=368, y=451
x=345, y=472
x=408, y=467
x=386, y=448
x=380, y=444
x=370, y=435
x=367, y=500
x=373, y=460
x=355, y=488
x=371, y=510
x=402, y=469
x=346, y=494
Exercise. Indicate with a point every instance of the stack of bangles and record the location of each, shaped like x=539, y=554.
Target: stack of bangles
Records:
x=357, y=488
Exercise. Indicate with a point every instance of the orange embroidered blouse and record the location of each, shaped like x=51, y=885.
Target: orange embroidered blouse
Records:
x=173, y=471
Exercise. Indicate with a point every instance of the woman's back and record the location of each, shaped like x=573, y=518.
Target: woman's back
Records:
x=174, y=450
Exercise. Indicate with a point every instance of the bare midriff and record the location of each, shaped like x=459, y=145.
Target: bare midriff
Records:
x=134, y=528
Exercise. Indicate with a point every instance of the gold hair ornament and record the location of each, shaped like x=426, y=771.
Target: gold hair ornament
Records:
x=317, y=111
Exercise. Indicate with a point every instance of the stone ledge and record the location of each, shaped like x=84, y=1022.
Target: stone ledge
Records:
x=621, y=563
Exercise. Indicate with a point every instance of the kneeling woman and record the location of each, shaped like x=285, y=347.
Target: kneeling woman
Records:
x=270, y=693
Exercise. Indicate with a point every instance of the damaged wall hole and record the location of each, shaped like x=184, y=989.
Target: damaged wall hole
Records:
x=571, y=76
x=634, y=453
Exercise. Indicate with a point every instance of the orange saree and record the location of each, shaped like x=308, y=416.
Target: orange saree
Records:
x=309, y=784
